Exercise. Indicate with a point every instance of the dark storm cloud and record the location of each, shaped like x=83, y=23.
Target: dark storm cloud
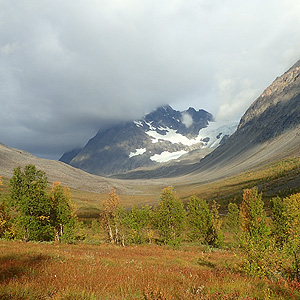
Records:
x=69, y=68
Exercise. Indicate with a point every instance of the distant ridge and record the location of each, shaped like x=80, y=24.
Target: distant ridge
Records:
x=10, y=158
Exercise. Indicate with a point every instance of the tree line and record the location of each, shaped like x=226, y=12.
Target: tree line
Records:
x=167, y=223
x=269, y=243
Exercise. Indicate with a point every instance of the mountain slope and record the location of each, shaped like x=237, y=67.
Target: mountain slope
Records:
x=163, y=135
x=269, y=130
x=11, y=158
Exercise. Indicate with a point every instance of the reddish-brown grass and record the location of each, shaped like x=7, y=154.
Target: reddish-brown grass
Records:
x=55, y=271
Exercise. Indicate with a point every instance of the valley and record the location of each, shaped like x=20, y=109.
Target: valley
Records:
x=214, y=223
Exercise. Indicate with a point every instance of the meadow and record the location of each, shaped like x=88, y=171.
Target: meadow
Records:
x=57, y=271
x=91, y=268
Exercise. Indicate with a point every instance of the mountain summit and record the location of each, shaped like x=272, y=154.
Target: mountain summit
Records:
x=162, y=135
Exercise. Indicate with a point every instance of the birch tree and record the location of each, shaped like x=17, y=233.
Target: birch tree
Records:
x=110, y=216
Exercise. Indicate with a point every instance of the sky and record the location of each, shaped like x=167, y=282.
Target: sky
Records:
x=70, y=68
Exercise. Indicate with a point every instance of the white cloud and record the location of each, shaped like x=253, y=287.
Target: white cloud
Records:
x=187, y=120
x=9, y=48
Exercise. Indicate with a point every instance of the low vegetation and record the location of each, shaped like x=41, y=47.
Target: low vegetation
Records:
x=56, y=271
x=167, y=251
x=280, y=178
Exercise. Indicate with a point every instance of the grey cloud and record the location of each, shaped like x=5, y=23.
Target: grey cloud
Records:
x=70, y=68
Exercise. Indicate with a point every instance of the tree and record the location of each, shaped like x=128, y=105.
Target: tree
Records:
x=215, y=237
x=4, y=219
x=233, y=219
x=199, y=218
x=280, y=221
x=291, y=216
x=62, y=218
x=169, y=217
x=136, y=224
x=253, y=216
x=32, y=205
x=204, y=223
x=111, y=208
x=255, y=239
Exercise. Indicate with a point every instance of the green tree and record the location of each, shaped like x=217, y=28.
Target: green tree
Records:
x=255, y=238
x=199, y=218
x=170, y=217
x=280, y=221
x=233, y=220
x=253, y=215
x=136, y=224
x=215, y=236
x=204, y=223
x=291, y=216
x=62, y=217
x=32, y=205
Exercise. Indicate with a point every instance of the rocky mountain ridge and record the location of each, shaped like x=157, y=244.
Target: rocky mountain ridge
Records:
x=161, y=136
x=281, y=90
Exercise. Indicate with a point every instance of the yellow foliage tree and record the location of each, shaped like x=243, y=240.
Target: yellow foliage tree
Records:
x=110, y=214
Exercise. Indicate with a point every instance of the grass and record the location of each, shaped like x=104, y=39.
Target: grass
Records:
x=55, y=271
x=278, y=178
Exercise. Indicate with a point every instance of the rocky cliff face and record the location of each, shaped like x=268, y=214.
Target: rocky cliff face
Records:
x=276, y=110
x=162, y=135
x=282, y=90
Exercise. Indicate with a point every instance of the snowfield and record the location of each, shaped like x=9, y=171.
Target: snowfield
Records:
x=137, y=152
x=171, y=136
x=209, y=137
x=214, y=133
x=167, y=156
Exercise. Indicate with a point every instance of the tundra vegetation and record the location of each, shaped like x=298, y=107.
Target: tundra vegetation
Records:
x=172, y=250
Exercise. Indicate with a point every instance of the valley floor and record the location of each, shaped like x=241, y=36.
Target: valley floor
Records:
x=57, y=271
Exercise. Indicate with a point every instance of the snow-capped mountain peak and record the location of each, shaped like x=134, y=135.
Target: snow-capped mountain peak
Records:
x=161, y=136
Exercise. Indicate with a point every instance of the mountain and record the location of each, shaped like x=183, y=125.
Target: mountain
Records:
x=268, y=131
x=161, y=136
x=10, y=158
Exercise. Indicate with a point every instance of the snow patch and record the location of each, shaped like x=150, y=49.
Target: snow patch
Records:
x=167, y=156
x=137, y=152
x=216, y=131
x=171, y=136
x=150, y=125
x=138, y=123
